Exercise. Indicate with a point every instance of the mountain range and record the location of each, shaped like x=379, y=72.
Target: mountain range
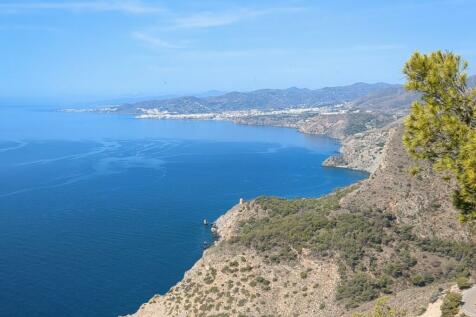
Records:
x=263, y=99
x=377, y=97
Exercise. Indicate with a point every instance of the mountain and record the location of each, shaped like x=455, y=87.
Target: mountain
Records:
x=392, y=100
x=264, y=99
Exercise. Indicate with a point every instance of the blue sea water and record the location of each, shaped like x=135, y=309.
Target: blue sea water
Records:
x=99, y=212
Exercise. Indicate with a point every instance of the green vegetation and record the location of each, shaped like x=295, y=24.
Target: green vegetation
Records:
x=451, y=304
x=362, y=243
x=441, y=128
x=362, y=121
x=295, y=228
x=283, y=207
x=463, y=282
x=465, y=253
x=361, y=288
x=381, y=309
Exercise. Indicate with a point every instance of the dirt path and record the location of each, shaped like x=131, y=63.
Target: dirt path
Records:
x=468, y=307
x=469, y=302
x=433, y=309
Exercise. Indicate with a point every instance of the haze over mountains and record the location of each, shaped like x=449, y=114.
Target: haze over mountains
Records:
x=263, y=99
x=377, y=97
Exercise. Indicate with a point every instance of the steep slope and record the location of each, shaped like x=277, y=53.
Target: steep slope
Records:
x=392, y=234
x=233, y=280
x=422, y=200
x=340, y=126
x=362, y=151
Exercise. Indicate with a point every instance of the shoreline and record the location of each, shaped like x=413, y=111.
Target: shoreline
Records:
x=360, y=151
x=300, y=287
x=221, y=228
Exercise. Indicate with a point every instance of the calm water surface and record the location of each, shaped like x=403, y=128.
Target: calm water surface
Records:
x=100, y=212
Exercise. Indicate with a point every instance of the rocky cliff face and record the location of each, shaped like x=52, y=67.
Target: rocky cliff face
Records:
x=231, y=280
x=362, y=151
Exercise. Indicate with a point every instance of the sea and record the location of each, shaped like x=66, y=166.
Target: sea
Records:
x=99, y=212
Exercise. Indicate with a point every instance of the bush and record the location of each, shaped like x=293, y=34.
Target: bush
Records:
x=417, y=280
x=451, y=304
x=463, y=282
x=381, y=309
x=460, y=251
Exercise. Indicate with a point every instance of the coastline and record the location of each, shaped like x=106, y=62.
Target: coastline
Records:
x=217, y=268
x=232, y=278
x=358, y=151
x=224, y=228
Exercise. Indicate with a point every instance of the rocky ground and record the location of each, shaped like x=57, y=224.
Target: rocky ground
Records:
x=338, y=126
x=412, y=191
x=362, y=151
x=236, y=281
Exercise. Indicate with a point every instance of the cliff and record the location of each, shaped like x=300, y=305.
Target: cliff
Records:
x=362, y=151
x=231, y=279
x=393, y=234
x=422, y=200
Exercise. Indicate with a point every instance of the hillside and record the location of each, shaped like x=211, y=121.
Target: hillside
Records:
x=261, y=99
x=362, y=150
x=395, y=100
x=338, y=126
x=392, y=234
x=422, y=200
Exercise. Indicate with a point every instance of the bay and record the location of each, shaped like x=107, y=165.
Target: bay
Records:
x=99, y=212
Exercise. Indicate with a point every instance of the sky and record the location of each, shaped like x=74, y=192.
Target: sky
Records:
x=71, y=51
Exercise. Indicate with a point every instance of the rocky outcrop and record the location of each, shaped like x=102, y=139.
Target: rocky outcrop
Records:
x=361, y=151
x=231, y=280
x=330, y=125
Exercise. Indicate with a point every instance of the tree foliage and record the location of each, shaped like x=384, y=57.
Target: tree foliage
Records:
x=441, y=127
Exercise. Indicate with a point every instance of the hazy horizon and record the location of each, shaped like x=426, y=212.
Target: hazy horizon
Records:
x=88, y=51
x=92, y=101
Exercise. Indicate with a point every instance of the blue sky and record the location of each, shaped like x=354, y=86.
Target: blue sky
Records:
x=84, y=50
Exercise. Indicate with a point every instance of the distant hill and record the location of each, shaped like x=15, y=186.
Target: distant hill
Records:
x=379, y=97
x=391, y=100
x=262, y=99
x=472, y=81
x=394, y=99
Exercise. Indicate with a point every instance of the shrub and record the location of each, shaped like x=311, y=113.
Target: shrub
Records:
x=381, y=309
x=463, y=282
x=417, y=280
x=361, y=288
x=451, y=303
